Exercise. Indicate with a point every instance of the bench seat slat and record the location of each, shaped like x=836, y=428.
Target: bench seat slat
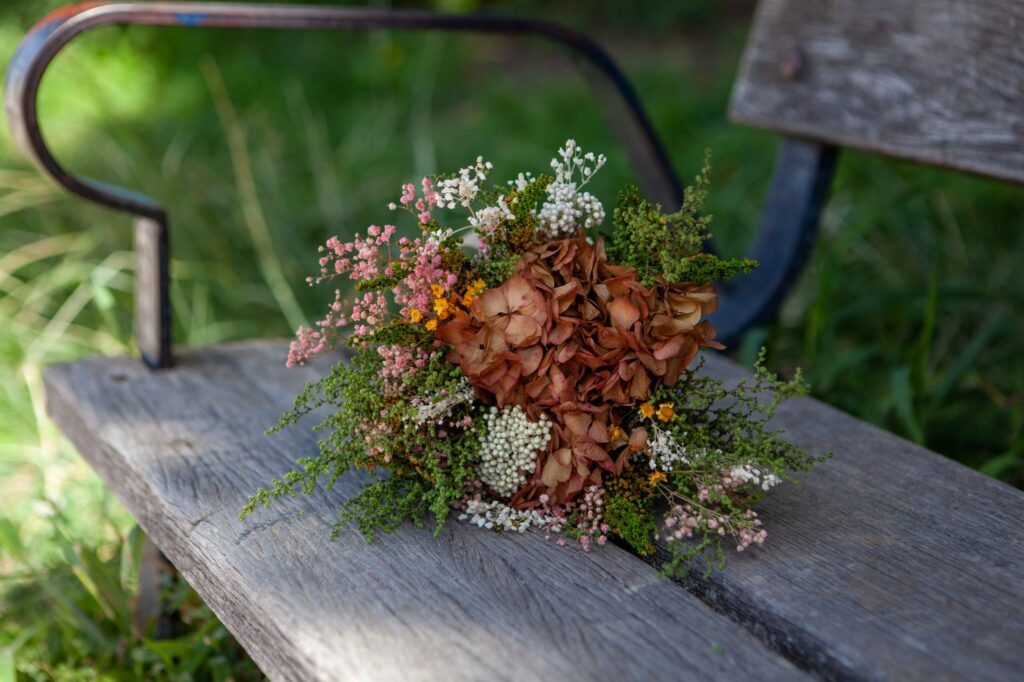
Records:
x=888, y=562
x=183, y=448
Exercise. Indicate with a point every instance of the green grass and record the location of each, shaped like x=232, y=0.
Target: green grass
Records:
x=909, y=314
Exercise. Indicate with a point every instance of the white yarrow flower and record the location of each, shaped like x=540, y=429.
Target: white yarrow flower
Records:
x=508, y=452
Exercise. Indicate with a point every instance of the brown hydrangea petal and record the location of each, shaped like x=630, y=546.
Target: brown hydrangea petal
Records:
x=582, y=341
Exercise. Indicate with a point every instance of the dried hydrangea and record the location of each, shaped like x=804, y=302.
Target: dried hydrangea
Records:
x=595, y=426
x=577, y=338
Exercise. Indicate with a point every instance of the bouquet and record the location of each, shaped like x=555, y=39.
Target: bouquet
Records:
x=525, y=369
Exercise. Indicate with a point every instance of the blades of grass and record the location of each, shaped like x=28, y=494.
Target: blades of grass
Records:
x=26, y=635
x=10, y=540
x=903, y=402
x=89, y=575
x=220, y=669
x=827, y=372
x=65, y=610
x=8, y=669
x=921, y=353
x=318, y=151
x=105, y=577
x=269, y=262
x=751, y=344
x=35, y=251
x=184, y=655
x=965, y=360
x=820, y=311
x=131, y=559
x=999, y=465
x=14, y=202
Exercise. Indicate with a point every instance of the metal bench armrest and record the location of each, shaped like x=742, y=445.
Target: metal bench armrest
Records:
x=38, y=49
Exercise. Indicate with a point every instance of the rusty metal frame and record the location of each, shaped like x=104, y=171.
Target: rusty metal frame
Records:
x=38, y=49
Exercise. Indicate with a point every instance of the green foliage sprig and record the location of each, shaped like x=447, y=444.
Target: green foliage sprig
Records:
x=424, y=471
x=670, y=246
x=725, y=427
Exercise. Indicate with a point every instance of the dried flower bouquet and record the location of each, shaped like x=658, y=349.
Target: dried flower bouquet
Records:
x=543, y=379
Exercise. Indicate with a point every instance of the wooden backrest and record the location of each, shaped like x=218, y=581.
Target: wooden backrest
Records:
x=936, y=81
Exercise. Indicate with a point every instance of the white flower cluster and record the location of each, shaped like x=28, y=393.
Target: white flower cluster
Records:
x=438, y=237
x=567, y=209
x=522, y=181
x=487, y=219
x=437, y=412
x=496, y=515
x=665, y=451
x=749, y=474
x=510, y=448
x=462, y=190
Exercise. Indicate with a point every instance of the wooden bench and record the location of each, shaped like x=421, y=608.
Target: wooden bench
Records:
x=889, y=562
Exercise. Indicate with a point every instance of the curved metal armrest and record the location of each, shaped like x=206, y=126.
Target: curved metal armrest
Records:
x=799, y=188
x=38, y=49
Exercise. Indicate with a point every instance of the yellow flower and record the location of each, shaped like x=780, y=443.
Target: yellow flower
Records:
x=437, y=290
x=432, y=325
x=665, y=412
x=479, y=285
x=656, y=477
x=415, y=315
x=614, y=432
x=440, y=305
x=647, y=410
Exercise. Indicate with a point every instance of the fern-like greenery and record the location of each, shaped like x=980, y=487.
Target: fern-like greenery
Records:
x=669, y=246
x=416, y=469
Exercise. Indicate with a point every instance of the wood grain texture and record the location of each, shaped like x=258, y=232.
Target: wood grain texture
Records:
x=183, y=448
x=937, y=81
x=889, y=562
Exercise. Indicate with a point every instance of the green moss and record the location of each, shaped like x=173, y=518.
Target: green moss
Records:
x=631, y=518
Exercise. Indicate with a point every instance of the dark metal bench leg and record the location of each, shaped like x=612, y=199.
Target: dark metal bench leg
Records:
x=154, y=572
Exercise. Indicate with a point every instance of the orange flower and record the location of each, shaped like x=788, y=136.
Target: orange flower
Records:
x=431, y=325
x=437, y=290
x=656, y=477
x=666, y=412
x=473, y=292
x=415, y=315
x=614, y=432
x=647, y=410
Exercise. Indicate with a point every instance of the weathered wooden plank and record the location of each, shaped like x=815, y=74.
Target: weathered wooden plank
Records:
x=183, y=448
x=938, y=81
x=888, y=562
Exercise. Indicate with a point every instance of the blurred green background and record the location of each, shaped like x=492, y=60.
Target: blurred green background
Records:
x=909, y=315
